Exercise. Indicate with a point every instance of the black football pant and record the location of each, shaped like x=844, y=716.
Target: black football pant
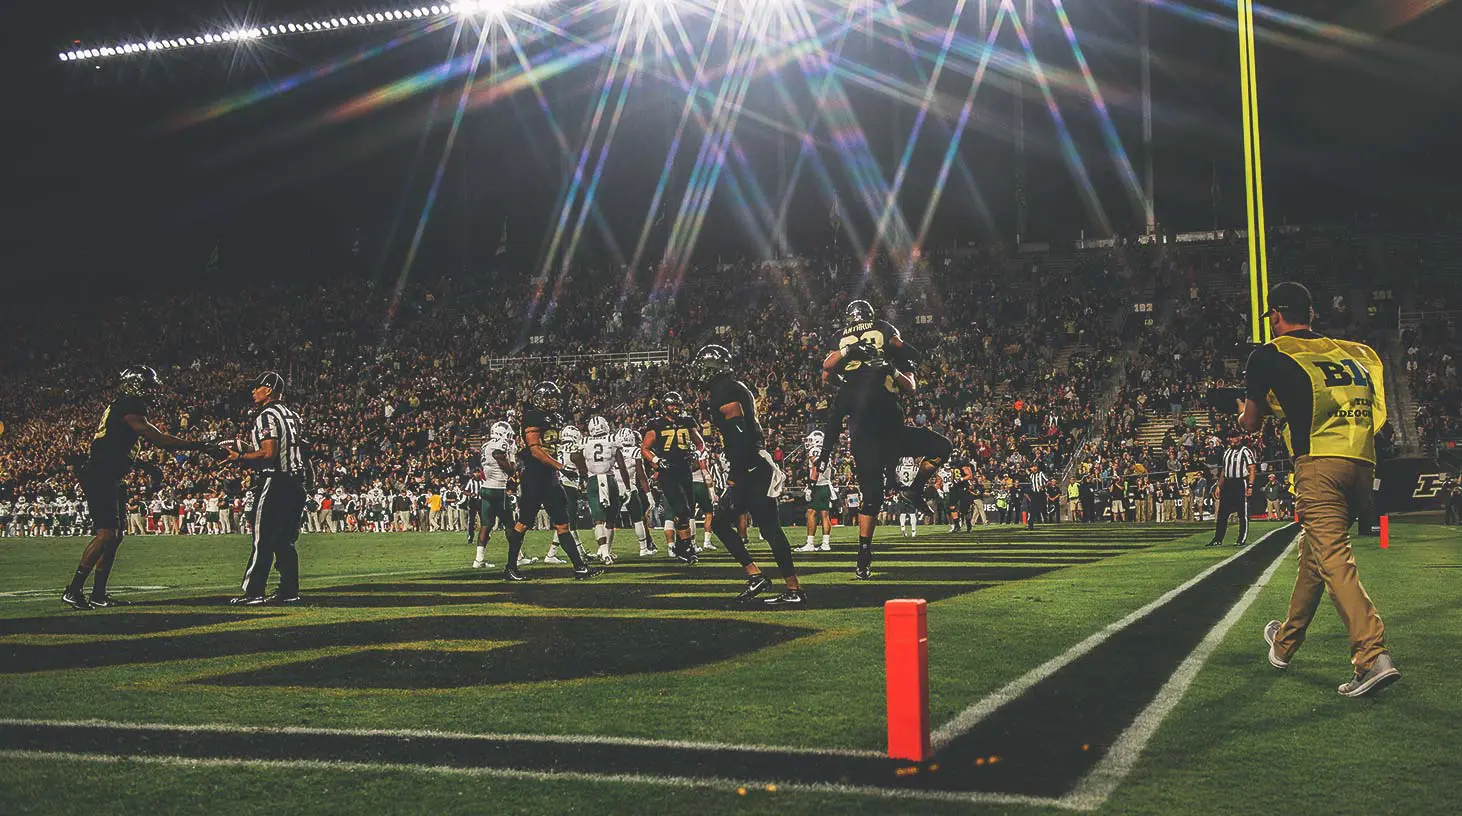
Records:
x=1035, y=505
x=746, y=492
x=877, y=449
x=277, y=515
x=1231, y=499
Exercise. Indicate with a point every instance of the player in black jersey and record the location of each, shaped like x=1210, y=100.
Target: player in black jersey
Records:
x=754, y=482
x=123, y=423
x=672, y=446
x=873, y=366
x=539, y=467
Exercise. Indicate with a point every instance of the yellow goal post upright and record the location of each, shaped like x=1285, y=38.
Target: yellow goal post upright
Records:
x=1253, y=175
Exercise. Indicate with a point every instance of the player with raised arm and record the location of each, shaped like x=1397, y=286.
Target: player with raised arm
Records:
x=820, y=493
x=123, y=424
x=754, y=482
x=540, y=483
x=499, y=453
x=609, y=480
x=672, y=446
x=873, y=367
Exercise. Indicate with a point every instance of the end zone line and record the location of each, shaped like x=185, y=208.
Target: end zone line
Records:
x=1092, y=792
x=978, y=711
x=542, y=776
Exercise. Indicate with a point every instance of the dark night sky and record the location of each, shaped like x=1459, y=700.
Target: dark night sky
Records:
x=101, y=190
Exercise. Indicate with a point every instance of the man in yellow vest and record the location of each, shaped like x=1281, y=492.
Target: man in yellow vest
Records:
x=1331, y=394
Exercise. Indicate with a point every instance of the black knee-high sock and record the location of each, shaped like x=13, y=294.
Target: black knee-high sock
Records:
x=725, y=530
x=566, y=543
x=865, y=550
x=79, y=579
x=515, y=546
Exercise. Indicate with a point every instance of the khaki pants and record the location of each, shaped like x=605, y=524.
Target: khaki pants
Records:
x=403, y=520
x=977, y=512
x=1330, y=490
x=1073, y=509
x=1189, y=507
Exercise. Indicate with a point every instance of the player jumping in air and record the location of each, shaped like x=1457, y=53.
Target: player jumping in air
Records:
x=873, y=366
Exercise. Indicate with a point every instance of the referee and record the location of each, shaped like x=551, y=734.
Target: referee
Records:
x=1332, y=396
x=1035, y=503
x=1235, y=486
x=280, y=455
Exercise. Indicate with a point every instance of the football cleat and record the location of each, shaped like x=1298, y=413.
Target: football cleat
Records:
x=586, y=573
x=755, y=585
x=481, y=565
x=684, y=553
x=807, y=548
x=75, y=600
x=526, y=560
x=647, y=551
x=790, y=599
x=825, y=547
x=104, y=601
x=248, y=600
x=708, y=547
x=512, y=576
x=862, y=573
x=605, y=555
x=281, y=599
x=553, y=559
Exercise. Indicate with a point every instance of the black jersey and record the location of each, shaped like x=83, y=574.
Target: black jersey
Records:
x=674, y=442
x=548, y=425
x=115, y=441
x=743, y=436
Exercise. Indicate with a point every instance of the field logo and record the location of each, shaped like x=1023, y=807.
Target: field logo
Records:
x=1428, y=485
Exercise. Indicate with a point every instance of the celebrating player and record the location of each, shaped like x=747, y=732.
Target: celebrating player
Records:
x=122, y=424
x=672, y=446
x=754, y=483
x=873, y=366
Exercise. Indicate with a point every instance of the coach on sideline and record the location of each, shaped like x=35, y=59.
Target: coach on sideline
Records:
x=1332, y=395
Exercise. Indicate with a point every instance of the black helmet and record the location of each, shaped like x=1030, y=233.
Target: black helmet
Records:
x=139, y=381
x=272, y=381
x=671, y=398
x=712, y=361
x=547, y=396
x=860, y=311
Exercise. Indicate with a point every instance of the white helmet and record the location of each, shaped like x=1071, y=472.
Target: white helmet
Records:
x=625, y=438
x=571, y=435
x=500, y=430
x=814, y=438
x=598, y=426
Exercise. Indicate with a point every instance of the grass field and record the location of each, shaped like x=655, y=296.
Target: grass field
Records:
x=408, y=682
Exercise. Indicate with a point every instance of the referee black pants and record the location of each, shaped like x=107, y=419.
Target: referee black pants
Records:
x=1231, y=499
x=1035, y=505
x=277, y=516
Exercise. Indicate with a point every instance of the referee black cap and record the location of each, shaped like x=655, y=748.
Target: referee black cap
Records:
x=1291, y=299
x=270, y=380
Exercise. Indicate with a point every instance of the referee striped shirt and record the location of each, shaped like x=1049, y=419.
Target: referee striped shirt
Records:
x=1038, y=482
x=1236, y=462
x=281, y=424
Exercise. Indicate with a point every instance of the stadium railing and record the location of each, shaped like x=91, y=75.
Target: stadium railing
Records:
x=659, y=357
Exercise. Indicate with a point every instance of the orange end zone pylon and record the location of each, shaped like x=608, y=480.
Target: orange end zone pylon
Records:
x=906, y=664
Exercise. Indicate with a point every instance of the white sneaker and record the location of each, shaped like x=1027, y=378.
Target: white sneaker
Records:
x=807, y=548
x=605, y=555
x=525, y=560
x=1271, y=631
x=708, y=546
x=644, y=552
x=481, y=565
x=826, y=547
x=553, y=559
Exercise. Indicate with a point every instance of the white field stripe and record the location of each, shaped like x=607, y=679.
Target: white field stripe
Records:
x=978, y=711
x=48, y=593
x=1092, y=792
x=575, y=739
x=544, y=776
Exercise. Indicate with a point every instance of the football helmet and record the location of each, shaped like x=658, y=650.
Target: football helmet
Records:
x=571, y=436
x=139, y=381
x=598, y=426
x=547, y=397
x=500, y=430
x=625, y=438
x=713, y=360
x=814, y=438
x=671, y=403
x=859, y=311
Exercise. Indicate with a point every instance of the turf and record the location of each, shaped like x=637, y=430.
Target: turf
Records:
x=399, y=635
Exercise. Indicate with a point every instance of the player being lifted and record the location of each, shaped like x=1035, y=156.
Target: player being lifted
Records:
x=570, y=443
x=754, y=482
x=117, y=437
x=672, y=446
x=609, y=481
x=540, y=484
x=498, y=453
x=820, y=500
x=636, y=505
x=873, y=366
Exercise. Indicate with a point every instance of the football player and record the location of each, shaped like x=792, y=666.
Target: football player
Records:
x=636, y=505
x=908, y=511
x=754, y=483
x=705, y=500
x=609, y=481
x=673, y=446
x=570, y=445
x=124, y=423
x=820, y=498
x=541, y=487
x=498, y=454
x=873, y=366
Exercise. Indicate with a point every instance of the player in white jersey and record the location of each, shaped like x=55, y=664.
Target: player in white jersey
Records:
x=570, y=452
x=636, y=504
x=908, y=468
x=819, y=494
x=702, y=491
x=499, y=454
x=609, y=481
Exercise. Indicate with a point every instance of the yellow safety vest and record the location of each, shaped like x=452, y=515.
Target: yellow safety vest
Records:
x=1349, y=395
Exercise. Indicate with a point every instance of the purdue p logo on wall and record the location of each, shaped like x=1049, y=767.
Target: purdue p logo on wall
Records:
x=1428, y=485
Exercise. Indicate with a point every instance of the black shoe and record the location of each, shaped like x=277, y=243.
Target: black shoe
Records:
x=512, y=576
x=283, y=599
x=791, y=599
x=586, y=573
x=755, y=585
x=104, y=601
x=862, y=573
x=1242, y=543
x=685, y=554
x=1214, y=543
x=75, y=600
x=249, y=600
